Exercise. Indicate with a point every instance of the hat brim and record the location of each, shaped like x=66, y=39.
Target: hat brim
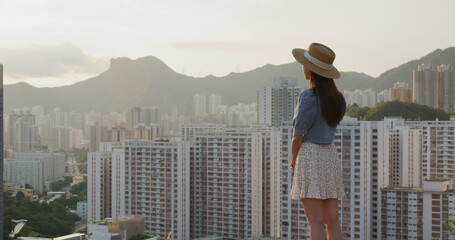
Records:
x=328, y=73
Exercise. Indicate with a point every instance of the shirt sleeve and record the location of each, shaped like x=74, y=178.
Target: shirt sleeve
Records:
x=305, y=113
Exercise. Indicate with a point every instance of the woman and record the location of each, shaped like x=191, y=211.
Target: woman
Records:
x=318, y=179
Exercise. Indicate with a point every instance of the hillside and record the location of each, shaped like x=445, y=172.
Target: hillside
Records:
x=403, y=73
x=150, y=82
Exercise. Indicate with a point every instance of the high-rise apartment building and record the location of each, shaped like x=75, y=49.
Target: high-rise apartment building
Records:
x=157, y=186
x=99, y=181
x=435, y=87
x=425, y=85
x=401, y=154
x=357, y=146
x=293, y=219
x=401, y=213
x=438, y=149
x=400, y=92
x=418, y=212
x=235, y=183
x=139, y=177
x=190, y=130
x=446, y=90
x=277, y=103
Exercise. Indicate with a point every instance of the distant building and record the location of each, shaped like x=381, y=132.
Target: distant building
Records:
x=82, y=210
x=368, y=98
x=435, y=87
x=190, y=130
x=400, y=92
x=95, y=135
x=133, y=117
x=446, y=90
x=200, y=105
x=363, y=98
x=214, y=102
x=22, y=131
x=118, y=134
x=13, y=190
x=151, y=115
x=38, y=169
x=383, y=96
x=277, y=103
x=122, y=228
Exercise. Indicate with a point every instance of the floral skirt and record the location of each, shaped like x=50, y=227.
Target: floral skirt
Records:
x=318, y=173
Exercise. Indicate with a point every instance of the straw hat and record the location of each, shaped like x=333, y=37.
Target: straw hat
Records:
x=318, y=58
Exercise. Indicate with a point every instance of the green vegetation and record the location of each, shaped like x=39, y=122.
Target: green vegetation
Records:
x=56, y=186
x=80, y=190
x=71, y=202
x=83, y=169
x=450, y=227
x=358, y=112
x=408, y=111
x=141, y=237
x=81, y=155
x=43, y=220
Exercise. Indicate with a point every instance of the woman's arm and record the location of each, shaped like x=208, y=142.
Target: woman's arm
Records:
x=295, y=146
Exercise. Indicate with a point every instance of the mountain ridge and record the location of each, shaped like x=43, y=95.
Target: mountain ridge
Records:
x=148, y=81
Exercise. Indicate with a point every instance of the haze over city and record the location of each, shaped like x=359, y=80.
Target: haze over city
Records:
x=62, y=43
x=159, y=120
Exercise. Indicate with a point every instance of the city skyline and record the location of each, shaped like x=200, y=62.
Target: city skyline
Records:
x=202, y=38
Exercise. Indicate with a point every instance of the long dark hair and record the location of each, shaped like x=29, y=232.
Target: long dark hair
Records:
x=332, y=104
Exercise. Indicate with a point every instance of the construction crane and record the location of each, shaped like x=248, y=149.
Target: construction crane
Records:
x=19, y=225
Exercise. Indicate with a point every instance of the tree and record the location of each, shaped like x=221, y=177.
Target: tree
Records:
x=47, y=220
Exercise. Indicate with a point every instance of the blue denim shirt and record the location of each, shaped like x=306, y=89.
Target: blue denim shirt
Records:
x=308, y=120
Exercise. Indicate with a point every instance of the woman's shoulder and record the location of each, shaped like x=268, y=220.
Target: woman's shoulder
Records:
x=308, y=95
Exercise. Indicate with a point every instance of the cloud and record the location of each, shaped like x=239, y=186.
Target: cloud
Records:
x=38, y=61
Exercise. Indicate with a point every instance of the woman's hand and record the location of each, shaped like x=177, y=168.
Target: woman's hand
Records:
x=292, y=165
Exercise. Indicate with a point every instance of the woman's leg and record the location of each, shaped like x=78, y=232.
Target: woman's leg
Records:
x=314, y=215
x=332, y=220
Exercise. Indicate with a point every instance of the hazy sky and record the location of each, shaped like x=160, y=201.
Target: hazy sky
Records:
x=55, y=42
